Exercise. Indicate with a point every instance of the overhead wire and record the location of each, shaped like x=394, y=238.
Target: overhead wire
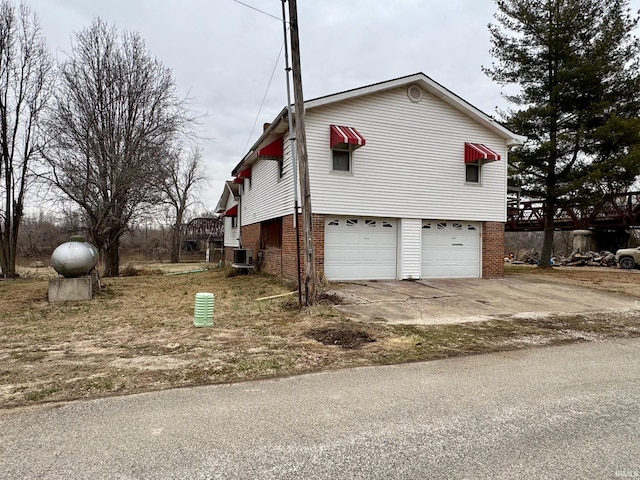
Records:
x=272, y=73
x=275, y=66
x=258, y=10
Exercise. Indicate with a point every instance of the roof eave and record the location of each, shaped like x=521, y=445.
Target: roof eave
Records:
x=226, y=192
x=268, y=136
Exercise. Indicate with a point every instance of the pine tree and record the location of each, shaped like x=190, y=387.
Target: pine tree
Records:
x=571, y=70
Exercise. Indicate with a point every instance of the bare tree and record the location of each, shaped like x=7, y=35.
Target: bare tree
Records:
x=183, y=177
x=115, y=120
x=25, y=87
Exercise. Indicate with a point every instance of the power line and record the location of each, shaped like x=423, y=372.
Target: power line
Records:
x=258, y=10
x=265, y=95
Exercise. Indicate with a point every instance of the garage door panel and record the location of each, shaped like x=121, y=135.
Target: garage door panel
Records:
x=450, y=249
x=358, y=248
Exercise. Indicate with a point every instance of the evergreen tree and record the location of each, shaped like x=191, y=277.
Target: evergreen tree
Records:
x=571, y=67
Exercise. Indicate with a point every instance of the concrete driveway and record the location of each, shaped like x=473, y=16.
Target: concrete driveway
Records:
x=426, y=302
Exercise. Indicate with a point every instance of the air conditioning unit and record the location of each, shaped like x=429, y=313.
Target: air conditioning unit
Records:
x=242, y=256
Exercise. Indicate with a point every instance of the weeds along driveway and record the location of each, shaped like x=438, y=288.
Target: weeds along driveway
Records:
x=137, y=334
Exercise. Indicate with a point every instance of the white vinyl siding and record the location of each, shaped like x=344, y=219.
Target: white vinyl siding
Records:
x=410, y=248
x=231, y=234
x=269, y=195
x=412, y=165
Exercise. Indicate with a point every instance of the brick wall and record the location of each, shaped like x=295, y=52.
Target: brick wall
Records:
x=492, y=250
x=283, y=261
x=289, y=257
x=318, y=241
x=251, y=238
x=271, y=261
x=228, y=255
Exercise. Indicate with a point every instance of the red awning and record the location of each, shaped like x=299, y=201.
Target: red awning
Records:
x=232, y=212
x=474, y=152
x=246, y=173
x=272, y=151
x=346, y=136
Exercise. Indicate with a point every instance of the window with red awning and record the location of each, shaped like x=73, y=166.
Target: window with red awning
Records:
x=341, y=137
x=477, y=152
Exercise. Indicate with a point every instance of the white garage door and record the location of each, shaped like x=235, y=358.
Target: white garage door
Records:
x=357, y=248
x=450, y=249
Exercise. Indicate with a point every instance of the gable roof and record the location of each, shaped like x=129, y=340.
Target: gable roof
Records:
x=279, y=125
x=230, y=189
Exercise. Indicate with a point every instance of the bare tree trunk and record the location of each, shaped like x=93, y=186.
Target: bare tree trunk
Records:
x=176, y=240
x=112, y=258
x=547, y=244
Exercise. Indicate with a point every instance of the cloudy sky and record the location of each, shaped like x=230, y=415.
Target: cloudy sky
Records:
x=223, y=54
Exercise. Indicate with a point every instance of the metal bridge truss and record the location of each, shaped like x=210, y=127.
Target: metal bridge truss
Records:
x=203, y=228
x=613, y=212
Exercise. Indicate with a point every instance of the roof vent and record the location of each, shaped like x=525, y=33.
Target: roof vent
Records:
x=414, y=93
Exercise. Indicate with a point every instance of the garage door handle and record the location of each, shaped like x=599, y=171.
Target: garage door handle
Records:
x=457, y=244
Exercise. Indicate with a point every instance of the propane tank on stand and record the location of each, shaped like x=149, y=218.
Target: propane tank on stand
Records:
x=75, y=261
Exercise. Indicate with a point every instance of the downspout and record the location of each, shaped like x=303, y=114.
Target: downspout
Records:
x=240, y=215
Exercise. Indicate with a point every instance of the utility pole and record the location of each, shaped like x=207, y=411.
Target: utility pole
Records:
x=303, y=161
x=294, y=160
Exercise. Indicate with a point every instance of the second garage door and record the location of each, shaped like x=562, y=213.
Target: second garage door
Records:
x=450, y=249
x=359, y=248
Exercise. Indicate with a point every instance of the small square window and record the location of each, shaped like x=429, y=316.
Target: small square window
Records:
x=472, y=172
x=234, y=222
x=341, y=160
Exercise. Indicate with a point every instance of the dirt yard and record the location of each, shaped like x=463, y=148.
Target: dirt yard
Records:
x=137, y=334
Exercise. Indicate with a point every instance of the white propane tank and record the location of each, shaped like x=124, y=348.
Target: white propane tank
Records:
x=74, y=259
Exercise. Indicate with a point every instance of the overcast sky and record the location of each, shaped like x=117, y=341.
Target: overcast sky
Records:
x=223, y=54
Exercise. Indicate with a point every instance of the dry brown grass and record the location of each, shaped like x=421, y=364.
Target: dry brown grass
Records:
x=138, y=334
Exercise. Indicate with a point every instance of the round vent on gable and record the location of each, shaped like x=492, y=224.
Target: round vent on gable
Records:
x=414, y=93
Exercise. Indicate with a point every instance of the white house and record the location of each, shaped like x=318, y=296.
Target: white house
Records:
x=229, y=203
x=407, y=180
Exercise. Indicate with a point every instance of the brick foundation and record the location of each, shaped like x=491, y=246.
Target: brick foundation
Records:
x=228, y=255
x=251, y=238
x=492, y=250
x=282, y=262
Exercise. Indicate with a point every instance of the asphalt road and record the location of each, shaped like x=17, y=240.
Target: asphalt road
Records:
x=562, y=412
